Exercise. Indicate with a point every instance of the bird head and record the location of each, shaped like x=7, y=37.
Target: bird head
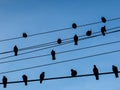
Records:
x=94, y=66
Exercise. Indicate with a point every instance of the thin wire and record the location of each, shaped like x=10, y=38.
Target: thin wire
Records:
x=65, y=61
x=62, y=77
x=97, y=22
x=53, y=42
x=58, y=30
x=65, y=40
x=65, y=43
x=92, y=46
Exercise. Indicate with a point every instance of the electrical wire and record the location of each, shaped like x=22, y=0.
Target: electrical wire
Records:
x=65, y=43
x=58, y=30
x=62, y=77
x=60, y=62
x=53, y=42
x=83, y=48
x=68, y=42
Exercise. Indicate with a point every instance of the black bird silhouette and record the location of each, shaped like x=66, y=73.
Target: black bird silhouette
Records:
x=88, y=33
x=42, y=76
x=115, y=70
x=103, y=19
x=103, y=30
x=73, y=72
x=74, y=25
x=25, y=35
x=75, y=39
x=96, y=72
x=4, y=80
x=59, y=41
x=53, y=55
x=25, y=79
x=15, y=50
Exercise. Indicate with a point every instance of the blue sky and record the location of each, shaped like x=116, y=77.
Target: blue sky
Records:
x=33, y=16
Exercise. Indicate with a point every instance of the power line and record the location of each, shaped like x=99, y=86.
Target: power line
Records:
x=54, y=42
x=57, y=30
x=65, y=61
x=62, y=77
x=67, y=42
x=97, y=22
x=83, y=48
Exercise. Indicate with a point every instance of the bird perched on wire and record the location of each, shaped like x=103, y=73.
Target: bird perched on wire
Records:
x=96, y=72
x=88, y=33
x=4, y=81
x=73, y=72
x=103, y=30
x=75, y=39
x=25, y=79
x=15, y=50
x=115, y=70
x=103, y=19
x=53, y=55
x=59, y=41
x=24, y=35
x=42, y=76
x=74, y=25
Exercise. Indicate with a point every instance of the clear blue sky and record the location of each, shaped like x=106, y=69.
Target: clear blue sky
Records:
x=33, y=16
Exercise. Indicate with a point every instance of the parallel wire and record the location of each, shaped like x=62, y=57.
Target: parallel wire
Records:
x=97, y=22
x=63, y=52
x=58, y=30
x=65, y=43
x=83, y=48
x=68, y=42
x=62, y=77
x=60, y=62
x=54, y=42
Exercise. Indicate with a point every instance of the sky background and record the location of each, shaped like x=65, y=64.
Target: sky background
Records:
x=34, y=16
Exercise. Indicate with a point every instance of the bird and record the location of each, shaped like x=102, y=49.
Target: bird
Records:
x=25, y=35
x=75, y=39
x=42, y=76
x=88, y=33
x=73, y=72
x=96, y=72
x=25, y=79
x=4, y=80
x=59, y=41
x=103, y=30
x=74, y=25
x=53, y=55
x=115, y=70
x=15, y=50
x=103, y=19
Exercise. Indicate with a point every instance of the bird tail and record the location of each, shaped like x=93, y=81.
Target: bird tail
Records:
x=76, y=43
x=53, y=58
x=41, y=81
x=5, y=85
x=25, y=83
x=15, y=53
x=97, y=77
x=103, y=33
x=116, y=75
